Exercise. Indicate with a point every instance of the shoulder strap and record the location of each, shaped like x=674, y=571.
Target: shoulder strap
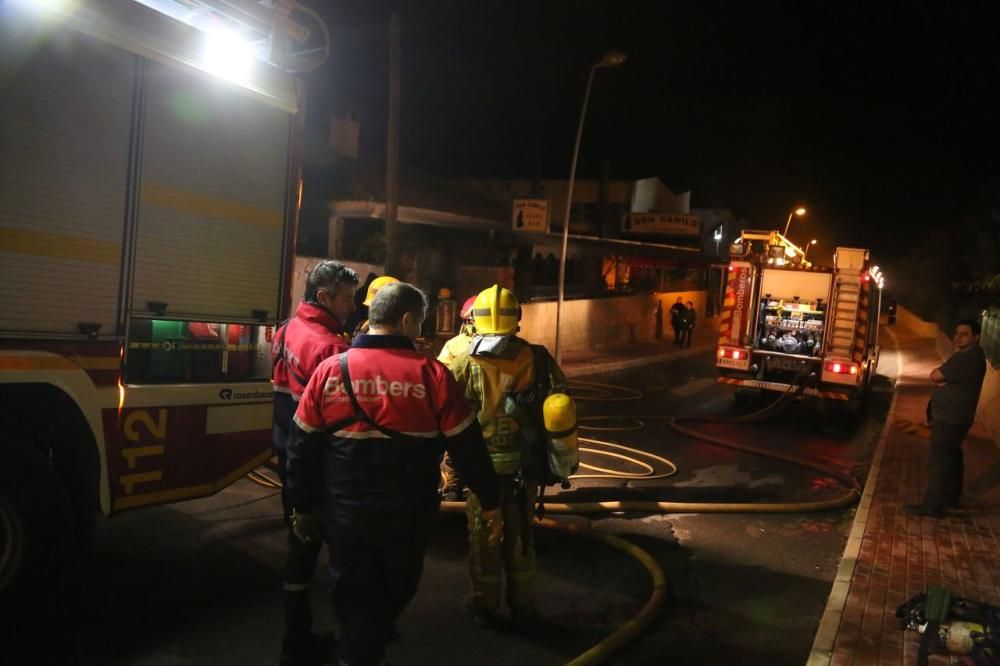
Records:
x=542, y=375
x=359, y=413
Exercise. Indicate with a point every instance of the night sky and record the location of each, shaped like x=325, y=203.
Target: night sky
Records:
x=878, y=117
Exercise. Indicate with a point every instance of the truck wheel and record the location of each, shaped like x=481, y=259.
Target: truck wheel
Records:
x=11, y=543
x=36, y=523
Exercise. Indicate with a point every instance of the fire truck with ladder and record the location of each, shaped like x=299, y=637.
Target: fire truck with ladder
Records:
x=788, y=325
x=148, y=201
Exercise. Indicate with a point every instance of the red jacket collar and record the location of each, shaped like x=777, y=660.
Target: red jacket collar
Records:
x=313, y=312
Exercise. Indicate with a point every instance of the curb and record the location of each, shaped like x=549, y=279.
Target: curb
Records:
x=611, y=366
x=821, y=653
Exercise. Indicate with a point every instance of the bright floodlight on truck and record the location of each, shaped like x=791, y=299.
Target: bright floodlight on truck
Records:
x=228, y=55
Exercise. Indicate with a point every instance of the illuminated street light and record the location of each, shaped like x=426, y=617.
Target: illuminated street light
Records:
x=610, y=59
x=798, y=211
x=809, y=245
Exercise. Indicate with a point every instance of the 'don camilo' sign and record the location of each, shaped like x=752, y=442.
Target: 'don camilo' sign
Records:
x=530, y=215
x=672, y=224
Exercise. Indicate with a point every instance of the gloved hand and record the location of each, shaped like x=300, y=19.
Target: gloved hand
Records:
x=306, y=526
x=494, y=526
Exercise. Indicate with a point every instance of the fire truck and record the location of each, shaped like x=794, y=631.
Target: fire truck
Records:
x=148, y=200
x=789, y=325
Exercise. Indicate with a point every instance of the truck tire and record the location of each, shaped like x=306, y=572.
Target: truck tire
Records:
x=36, y=530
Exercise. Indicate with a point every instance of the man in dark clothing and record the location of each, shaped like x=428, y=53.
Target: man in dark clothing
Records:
x=690, y=318
x=953, y=410
x=677, y=311
x=314, y=334
x=365, y=449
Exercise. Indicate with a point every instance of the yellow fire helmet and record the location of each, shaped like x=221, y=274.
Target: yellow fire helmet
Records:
x=377, y=284
x=496, y=311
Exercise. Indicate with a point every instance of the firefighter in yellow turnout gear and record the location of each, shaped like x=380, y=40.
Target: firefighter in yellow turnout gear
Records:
x=498, y=372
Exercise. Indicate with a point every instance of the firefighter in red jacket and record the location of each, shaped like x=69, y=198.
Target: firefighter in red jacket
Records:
x=315, y=333
x=365, y=447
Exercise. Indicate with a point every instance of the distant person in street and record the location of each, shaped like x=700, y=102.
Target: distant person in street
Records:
x=690, y=318
x=677, y=319
x=952, y=410
x=315, y=333
x=363, y=468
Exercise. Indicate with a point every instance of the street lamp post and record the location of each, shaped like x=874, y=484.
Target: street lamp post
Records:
x=610, y=59
x=809, y=245
x=798, y=211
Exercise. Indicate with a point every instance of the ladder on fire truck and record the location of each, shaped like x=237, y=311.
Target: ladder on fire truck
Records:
x=846, y=299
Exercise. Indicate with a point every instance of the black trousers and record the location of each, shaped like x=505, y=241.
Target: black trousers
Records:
x=375, y=567
x=300, y=565
x=678, y=331
x=946, y=466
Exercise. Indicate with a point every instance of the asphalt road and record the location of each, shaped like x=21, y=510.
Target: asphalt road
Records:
x=199, y=582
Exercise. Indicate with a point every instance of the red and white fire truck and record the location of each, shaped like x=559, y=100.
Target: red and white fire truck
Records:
x=148, y=200
x=790, y=325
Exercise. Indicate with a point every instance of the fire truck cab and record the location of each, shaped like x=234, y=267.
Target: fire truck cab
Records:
x=790, y=325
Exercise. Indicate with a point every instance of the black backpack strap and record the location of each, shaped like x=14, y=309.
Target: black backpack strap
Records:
x=542, y=375
x=359, y=413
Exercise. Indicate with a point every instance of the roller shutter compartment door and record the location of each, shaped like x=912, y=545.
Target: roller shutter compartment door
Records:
x=212, y=199
x=65, y=119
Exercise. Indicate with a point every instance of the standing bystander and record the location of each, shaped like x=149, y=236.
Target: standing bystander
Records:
x=952, y=410
x=677, y=319
x=689, y=320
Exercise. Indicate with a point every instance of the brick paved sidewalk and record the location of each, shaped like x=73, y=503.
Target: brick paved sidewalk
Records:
x=891, y=556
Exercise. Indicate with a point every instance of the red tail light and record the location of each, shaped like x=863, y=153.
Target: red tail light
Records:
x=842, y=368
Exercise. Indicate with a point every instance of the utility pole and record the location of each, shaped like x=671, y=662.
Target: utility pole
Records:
x=392, y=266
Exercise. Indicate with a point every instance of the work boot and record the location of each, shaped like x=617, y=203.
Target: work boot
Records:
x=526, y=621
x=452, y=494
x=308, y=649
x=921, y=510
x=484, y=618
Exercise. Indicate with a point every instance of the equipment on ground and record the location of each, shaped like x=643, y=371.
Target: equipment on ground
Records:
x=952, y=625
x=786, y=321
x=147, y=221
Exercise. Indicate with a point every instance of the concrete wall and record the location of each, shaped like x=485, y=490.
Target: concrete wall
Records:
x=604, y=323
x=907, y=319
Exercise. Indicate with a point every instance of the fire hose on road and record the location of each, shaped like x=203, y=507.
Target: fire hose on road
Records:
x=607, y=647
x=603, y=650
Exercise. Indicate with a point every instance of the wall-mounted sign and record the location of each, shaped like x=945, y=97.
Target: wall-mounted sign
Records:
x=673, y=224
x=530, y=215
